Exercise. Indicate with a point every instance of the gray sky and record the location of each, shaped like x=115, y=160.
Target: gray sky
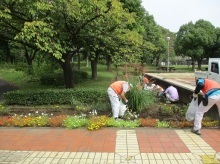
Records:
x=172, y=14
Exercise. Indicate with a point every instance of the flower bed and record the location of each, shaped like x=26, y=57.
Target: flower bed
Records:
x=160, y=115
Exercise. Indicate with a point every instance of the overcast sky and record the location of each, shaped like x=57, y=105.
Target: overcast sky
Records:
x=172, y=14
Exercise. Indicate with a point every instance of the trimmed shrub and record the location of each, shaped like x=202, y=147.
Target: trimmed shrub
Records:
x=55, y=96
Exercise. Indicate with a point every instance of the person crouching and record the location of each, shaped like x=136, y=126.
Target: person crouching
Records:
x=116, y=93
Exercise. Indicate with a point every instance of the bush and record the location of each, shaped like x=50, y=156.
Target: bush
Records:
x=55, y=96
x=3, y=110
x=53, y=79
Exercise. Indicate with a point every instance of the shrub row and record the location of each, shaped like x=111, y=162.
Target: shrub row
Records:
x=55, y=96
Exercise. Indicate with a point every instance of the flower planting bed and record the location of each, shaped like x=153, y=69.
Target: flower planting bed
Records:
x=158, y=115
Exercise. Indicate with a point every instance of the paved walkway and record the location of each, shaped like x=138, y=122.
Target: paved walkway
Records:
x=108, y=146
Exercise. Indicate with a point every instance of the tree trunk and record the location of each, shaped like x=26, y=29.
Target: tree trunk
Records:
x=68, y=74
x=29, y=56
x=193, y=64
x=8, y=54
x=157, y=61
x=94, y=63
x=78, y=63
x=108, y=62
x=199, y=64
x=87, y=60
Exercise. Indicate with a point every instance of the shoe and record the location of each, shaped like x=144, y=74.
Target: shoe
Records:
x=168, y=102
x=196, y=131
x=120, y=117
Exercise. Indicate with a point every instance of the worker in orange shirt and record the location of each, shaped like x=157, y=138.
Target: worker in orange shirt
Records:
x=211, y=91
x=145, y=81
x=159, y=90
x=116, y=93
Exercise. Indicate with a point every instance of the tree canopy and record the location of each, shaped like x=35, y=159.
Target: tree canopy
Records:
x=196, y=40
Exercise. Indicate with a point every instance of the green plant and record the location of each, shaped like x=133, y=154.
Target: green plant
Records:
x=54, y=96
x=77, y=105
x=140, y=99
x=72, y=122
x=3, y=110
x=166, y=110
x=182, y=110
x=209, y=122
x=129, y=115
x=163, y=124
x=119, y=123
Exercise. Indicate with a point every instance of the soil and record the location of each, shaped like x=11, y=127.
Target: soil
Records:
x=160, y=111
x=165, y=112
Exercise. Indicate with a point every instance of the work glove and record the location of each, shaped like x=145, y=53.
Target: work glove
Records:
x=195, y=95
x=125, y=101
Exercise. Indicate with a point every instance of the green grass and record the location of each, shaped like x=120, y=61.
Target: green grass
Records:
x=104, y=78
x=17, y=77
x=20, y=79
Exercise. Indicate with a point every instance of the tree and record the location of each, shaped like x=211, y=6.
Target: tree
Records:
x=13, y=15
x=215, y=51
x=153, y=42
x=64, y=26
x=195, y=40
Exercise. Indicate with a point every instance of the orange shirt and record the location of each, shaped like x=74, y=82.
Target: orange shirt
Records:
x=117, y=86
x=145, y=80
x=210, y=84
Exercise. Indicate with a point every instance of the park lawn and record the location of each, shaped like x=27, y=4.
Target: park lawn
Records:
x=104, y=77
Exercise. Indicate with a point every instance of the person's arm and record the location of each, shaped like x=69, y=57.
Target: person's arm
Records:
x=124, y=97
x=125, y=87
x=199, y=86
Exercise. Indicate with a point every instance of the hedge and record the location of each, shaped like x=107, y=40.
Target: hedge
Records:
x=55, y=96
